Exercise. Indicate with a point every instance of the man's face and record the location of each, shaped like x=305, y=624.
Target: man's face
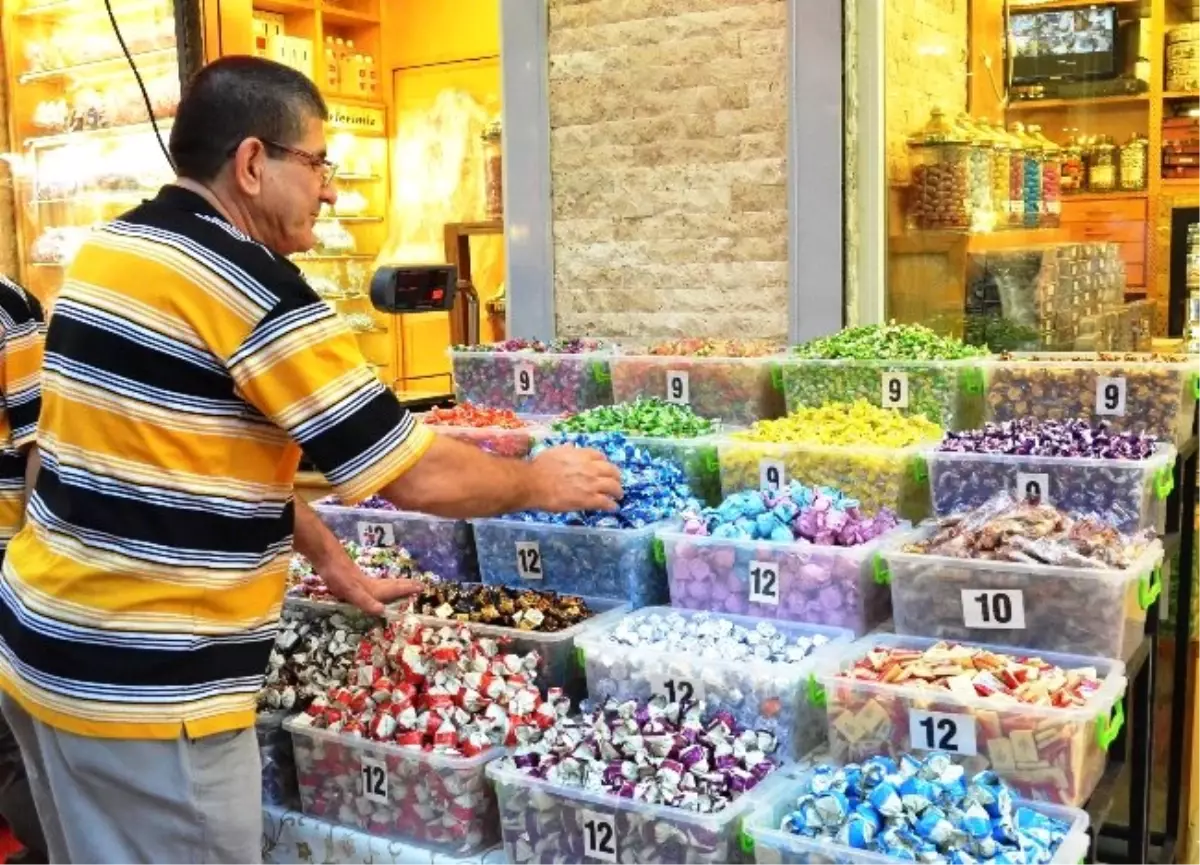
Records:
x=292, y=192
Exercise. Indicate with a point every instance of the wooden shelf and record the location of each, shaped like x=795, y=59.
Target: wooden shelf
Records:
x=106, y=132
x=346, y=17
x=93, y=66
x=1105, y=196
x=285, y=7
x=1176, y=185
x=1066, y=4
x=1091, y=102
x=1181, y=94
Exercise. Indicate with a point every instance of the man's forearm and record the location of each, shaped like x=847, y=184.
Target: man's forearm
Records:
x=313, y=539
x=459, y=481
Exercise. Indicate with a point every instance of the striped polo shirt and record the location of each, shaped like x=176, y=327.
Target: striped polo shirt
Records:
x=185, y=368
x=21, y=335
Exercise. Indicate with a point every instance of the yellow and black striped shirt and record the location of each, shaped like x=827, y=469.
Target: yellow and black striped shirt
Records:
x=21, y=337
x=186, y=366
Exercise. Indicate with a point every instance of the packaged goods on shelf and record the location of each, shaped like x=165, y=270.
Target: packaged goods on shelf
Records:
x=578, y=795
x=533, y=377
x=941, y=184
x=442, y=546
x=756, y=671
x=947, y=816
x=730, y=380
x=1153, y=394
x=1014, y=572
x=278, y=760
x=496, y=431
x=1079, y=467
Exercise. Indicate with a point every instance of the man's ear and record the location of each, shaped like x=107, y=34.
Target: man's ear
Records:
x=248, y=164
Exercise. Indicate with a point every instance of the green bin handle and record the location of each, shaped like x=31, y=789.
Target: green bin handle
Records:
x=1107, y=727
x=600, y=372
x=660, y=552
x=815, y=693
x=745, y=841
x=1149, y=588
x=1164, y=481
x=972, y=379
x=777, y=376
x=918, y=469
x=1196, y=385
x=879, y=568
x=711, y=463
x=580, y=658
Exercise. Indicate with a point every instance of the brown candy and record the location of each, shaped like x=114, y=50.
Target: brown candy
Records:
x=501, y=606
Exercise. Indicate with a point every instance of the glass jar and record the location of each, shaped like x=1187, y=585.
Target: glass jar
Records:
x=1071, y=172
x=940, y=176
x=1016, y=178
x=979, y=172
x=1031, y=181
x=1051, y=214
x=1102, y=167
x=493, y=166
x=1001, y=168
x=1134, y=158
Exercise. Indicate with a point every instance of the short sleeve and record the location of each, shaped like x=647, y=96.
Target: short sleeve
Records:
x=302, y=368
x=22, y=342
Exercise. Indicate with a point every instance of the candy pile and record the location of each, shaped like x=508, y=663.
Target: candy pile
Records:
x=922, y=810
x=703, y=347
x=1035, y=723
x=371, y=503
x=496, y=431
x=888, y=342
x=757, y=675
x=376, y=563
x=537, y=346
x=534, y=377
x=648, y=417
x=845, y=425
x=313, y=652
x=523, y=609
x=821, y=515
x=1053, y=438
x=471, y=415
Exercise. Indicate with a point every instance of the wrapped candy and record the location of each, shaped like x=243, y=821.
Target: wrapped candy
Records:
x=534, y=377
x=522, y=609
x=496, y=431
x=375, y=562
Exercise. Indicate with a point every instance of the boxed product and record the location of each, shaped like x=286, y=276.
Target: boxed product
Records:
x=566, y=376
x=278, y=763
x=736, y=390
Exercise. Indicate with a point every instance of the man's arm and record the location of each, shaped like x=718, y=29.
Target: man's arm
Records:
x=33, y=462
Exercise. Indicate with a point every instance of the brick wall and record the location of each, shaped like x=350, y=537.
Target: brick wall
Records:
x=668, y=138
x=8, y=227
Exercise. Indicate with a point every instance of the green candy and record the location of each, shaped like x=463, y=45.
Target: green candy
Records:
x=888, y=342
x=647, y=418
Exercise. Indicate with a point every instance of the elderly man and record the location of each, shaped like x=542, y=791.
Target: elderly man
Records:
x=187, y=363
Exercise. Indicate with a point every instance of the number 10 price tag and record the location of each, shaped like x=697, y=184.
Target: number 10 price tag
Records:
x=939, y=731
x=764, y=583
x=994, y=609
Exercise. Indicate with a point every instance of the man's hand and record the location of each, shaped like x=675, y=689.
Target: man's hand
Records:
x=570, y=478
x=349, y=584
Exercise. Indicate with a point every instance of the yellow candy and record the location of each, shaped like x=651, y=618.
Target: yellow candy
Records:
x=859, y=423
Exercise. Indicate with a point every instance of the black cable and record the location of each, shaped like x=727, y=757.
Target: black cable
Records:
x=141, y=85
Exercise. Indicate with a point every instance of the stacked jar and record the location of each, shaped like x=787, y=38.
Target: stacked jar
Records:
x=1001, y=170
x=1134, y=159
x=979, y=172
x=1031, y=181
x=1051, y=212
x=1016, y=179
x=1072, y=172
x=941, y=176
x=1102, y=166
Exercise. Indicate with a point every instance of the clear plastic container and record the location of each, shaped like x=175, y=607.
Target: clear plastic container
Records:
x=433, y=800
x=736, y=390
x=1075, y=610
x=696, y=458
x=1045, y=753
x=771, y=844
x=532, y=382
x=546, y=822
x=878, y=477
x=278, y=763
x=1131, y=393
x=1127, y=494
x=500, y=441
x=439, y=545
x=577, y=560
x=798, y=582
x=559, y=667
x=947, y=392
x=760, y=695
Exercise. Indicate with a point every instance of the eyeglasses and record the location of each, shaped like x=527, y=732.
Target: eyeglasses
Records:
x=327, y=169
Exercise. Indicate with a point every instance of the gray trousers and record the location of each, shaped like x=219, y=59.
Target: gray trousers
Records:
x=16, y=799
x=143, y=800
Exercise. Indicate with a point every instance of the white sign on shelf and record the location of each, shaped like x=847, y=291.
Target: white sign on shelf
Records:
x=942, y=731
x=994, y=609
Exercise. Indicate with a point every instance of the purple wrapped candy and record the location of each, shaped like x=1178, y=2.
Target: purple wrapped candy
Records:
x=534, y=377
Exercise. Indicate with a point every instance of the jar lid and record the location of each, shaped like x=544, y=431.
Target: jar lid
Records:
x=491, y=132
x=939, y=130
x=1047, y=144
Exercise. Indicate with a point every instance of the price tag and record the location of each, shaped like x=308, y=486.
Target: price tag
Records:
x=895, y=390
x=376, y=534
x=676, y=689
x=374, y=779
x=599, y=836
x=994, y=609
x=1034, y=486
x=764, y=583
x=529, y=560
x=938, y=731
x=677, y=386
x=771, y=475
x=523, y=379
x=1110, y=396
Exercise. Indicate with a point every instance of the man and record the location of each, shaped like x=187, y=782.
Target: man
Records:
x=187, y=363
x=21, y=336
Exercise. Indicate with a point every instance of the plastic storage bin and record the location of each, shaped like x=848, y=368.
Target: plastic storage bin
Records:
x=442, y=546
x=559, y=667
x=532, y=383
x=1044, y=753
x=774, y=845
x=1079, y=611
x=947, y=392
x=737, y=390
x=577, y=560
x=546, y=822
x=429, y=799
x=1127, y=494
x=1158, y=398
x=278, y=763
x=878, y=477
x=761, y=695
x=799, y=582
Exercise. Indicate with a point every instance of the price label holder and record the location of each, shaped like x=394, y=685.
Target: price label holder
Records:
x=994, y=609
x=599, y=836
x=529, y=560
x=676, y=688
x=942, y=731
x=771, y=475
x=375, y=534
x=1034, y=486
x=764, y=583
x=1110, y=396
x=678, y=390
x=523, y=382
x=374, y=779
x=894, y=390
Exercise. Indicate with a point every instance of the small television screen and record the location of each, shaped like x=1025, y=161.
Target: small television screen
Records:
x=1073, y=44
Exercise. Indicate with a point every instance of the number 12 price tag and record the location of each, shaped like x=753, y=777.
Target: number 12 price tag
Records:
x=675, y=688
x=677, y=387
x=599, y=836
x=938, y=731
x=1110, y=396
x=764, y=583
x=375, y=779
x=895, y=390
x=375, y=534
x=529, y=560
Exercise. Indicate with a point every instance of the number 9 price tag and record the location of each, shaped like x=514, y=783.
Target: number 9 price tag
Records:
x=895, y=390
x=523, y=379
x=677, y=387
x=374, y=779
x=764, y=583
x=375, y=534
x=529, y=560
x=599, y=836
x=1035, y=487
x=1110, y=396
x=770, y=475
x=939, y=731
